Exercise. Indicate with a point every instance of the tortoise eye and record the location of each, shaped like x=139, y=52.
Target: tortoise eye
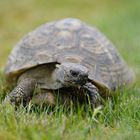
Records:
x=74, y=73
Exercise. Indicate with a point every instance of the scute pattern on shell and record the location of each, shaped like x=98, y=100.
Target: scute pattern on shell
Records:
x=70, y=40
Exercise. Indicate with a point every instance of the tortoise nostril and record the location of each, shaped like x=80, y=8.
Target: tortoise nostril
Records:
x=74, y=73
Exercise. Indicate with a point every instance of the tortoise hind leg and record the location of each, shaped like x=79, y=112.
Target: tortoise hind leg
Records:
x=22, y=93
x=53, y=98
x=44, y=98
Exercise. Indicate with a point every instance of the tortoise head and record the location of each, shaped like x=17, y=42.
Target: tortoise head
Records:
x=71, y=74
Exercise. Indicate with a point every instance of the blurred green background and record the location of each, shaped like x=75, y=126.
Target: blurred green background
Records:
x=119, y=20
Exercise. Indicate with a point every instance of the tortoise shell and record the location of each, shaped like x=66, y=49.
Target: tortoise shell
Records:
x=70, y=40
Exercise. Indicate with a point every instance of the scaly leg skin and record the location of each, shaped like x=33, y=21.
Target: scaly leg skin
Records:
x=22, y=93
x=94, y=96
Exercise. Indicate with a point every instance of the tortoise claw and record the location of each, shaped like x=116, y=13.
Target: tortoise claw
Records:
x=94, y=96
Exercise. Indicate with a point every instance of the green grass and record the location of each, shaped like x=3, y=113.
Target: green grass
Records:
x=120, y=118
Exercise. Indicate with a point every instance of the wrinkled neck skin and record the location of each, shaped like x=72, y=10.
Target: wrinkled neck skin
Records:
x=56, y=76
x=46, y=77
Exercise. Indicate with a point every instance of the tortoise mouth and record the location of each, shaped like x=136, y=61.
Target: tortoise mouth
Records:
x=75, y=83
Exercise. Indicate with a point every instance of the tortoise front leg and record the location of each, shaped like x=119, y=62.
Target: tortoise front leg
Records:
x=93, y=93
x=22, y=93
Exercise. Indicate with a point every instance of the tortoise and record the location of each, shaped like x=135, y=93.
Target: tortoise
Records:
x=65, y=53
